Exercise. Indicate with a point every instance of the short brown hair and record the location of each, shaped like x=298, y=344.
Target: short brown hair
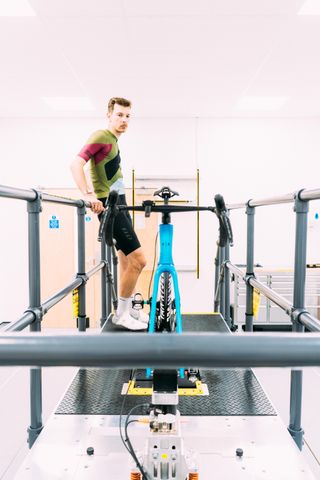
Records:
x=119, y=101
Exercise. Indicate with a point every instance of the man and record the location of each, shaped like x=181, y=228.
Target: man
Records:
x=103, y=153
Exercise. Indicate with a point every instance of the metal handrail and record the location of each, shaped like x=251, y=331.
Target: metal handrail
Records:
x=34, y=314
x=32, y=194
x=17, y=193
x=206, y=350
x=296, y=310
x=279, y=199
x=268, y=292
x=20, y=324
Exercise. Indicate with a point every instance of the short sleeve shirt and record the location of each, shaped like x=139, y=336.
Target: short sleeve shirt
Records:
x=103, y=153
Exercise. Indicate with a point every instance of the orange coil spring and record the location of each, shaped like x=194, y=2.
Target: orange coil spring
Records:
x=135, y=476
x=194, y=476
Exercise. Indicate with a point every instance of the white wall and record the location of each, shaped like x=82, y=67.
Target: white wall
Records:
x=240, y=158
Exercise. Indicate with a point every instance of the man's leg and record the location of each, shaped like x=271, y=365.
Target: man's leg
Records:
x=140, y=315
x=123, y=263
x=130, y=269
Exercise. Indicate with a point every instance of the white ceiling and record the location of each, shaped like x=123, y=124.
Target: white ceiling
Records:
x=171, y=58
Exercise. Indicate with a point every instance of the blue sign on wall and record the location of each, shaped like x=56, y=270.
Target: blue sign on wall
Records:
x=54, y=222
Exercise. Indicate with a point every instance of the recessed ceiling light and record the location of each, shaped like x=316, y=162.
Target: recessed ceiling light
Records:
x=261, y=103
x=16, y=8
x=310, y=7
x=69, y=103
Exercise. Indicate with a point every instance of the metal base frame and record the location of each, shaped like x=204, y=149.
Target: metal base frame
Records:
x=268, y=450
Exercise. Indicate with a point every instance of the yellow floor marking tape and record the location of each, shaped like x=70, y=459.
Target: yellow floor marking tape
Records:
x=132, y=390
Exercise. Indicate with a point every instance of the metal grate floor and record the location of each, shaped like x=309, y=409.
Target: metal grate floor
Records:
x=231, y=392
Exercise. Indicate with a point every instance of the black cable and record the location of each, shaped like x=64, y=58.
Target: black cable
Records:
x=132, y=452
x=120, y=421
x=126, y=441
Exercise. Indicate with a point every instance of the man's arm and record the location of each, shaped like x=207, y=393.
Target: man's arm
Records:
x=77, y=170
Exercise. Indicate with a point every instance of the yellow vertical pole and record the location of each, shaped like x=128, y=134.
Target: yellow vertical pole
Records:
x=198, y=225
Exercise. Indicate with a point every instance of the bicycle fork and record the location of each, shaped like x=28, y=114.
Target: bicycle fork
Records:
x=165, y=264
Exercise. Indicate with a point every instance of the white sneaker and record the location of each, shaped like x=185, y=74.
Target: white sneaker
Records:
x=127, y=321
x=139, y=315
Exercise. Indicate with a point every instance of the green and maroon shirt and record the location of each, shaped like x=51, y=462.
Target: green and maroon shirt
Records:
x=104, y=155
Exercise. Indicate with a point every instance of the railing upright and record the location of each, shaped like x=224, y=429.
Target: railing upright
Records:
x=115, y=263
x=34, y=209
x=82, y=319
x=301, y=209
x=216, y=279
x=250, y=211
x=109, y=284
x=227, y=316
x=104, y=316
x=221, y=280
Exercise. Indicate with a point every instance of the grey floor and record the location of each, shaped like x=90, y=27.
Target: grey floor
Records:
x=14, y=416
x=14, y=413
x=276, y=384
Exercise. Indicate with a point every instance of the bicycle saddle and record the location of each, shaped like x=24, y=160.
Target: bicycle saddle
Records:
x=165, y=193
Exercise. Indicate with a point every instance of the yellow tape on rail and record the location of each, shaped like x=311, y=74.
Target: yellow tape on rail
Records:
x=256, y=302
x=75, y=303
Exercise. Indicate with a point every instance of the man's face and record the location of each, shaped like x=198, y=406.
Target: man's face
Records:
x=119, y=119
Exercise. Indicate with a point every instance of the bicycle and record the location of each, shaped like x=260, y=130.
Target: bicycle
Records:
x=165, y=313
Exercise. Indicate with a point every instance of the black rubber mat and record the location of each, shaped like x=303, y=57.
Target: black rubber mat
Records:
x=190, y=323
x=231, y=392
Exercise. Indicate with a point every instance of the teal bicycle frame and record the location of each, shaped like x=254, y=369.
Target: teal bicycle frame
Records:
x=165, y=264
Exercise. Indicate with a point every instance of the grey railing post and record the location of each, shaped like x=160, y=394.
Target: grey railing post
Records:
x=82, y=320
x=301, y=209
x=216, y=279
x=34, y=209
x=222, y=285
x=227, y=287
x=109, y=285
x=104, y=316
x=250, y=211
x=115, y=262
x=268, y=304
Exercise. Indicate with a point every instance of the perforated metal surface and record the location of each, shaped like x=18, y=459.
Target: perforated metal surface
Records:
x=190, y=323
x=231, y=392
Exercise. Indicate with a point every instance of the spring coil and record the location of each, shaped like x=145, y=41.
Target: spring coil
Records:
x=135, y=476
x=194, y=476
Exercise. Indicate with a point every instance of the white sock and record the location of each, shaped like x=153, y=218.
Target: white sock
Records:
x=124, y=305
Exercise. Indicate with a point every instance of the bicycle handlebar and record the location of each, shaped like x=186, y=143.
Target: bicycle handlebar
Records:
x=225, y=230
x=148, y=206
x=107, y=218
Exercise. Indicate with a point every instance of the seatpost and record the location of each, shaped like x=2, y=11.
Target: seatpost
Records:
x=166, y=216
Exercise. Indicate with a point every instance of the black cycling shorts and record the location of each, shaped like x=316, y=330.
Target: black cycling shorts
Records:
x=126, y=238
